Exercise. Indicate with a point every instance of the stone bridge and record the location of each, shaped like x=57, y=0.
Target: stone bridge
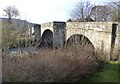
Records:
x=103, y=36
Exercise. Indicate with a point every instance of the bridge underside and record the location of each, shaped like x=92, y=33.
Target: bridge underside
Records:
x=47, y=39
x=77, y=39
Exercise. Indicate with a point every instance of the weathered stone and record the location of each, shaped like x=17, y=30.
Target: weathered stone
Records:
x=103, y=35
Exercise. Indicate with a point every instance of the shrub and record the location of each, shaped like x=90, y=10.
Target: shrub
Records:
x=8, y=35
x=68, y=64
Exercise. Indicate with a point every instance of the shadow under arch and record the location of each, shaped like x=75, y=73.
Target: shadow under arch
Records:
x=47, y=39
x=77, y=40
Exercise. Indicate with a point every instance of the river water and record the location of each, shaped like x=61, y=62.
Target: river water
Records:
x=23, y=49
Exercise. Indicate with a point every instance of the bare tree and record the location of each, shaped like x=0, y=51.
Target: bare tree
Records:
x=11, y=12
x=116, y=3
x=82, y=10
x=115, y=13
x=85, y=11
x=116, y=6
x=9, y=37
x=102, y=13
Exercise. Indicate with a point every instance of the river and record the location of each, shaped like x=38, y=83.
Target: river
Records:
x=23, y=49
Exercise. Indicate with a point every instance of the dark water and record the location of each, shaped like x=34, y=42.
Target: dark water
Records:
x=23, y=49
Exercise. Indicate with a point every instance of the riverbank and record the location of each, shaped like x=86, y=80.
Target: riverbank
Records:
x=110, y=73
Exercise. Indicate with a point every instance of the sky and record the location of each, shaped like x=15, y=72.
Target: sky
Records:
x=41, y=11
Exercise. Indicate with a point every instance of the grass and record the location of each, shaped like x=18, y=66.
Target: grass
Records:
x=110, y=73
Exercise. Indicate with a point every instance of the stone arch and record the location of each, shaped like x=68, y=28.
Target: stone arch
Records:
x=47, y=38
x=78, y=39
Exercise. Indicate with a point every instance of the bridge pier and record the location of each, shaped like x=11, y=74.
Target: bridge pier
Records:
x=59, y=34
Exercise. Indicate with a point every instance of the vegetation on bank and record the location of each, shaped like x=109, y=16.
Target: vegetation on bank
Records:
x=12, y=37
x=59, y=65
x=109, y=73
x=50, y=65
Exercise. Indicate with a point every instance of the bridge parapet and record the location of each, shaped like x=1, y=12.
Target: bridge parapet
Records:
x=48, y=24
x=45, y=26
x=94, y=26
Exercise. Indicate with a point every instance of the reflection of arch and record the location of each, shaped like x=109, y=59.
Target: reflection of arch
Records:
x=78, y=39
x=47, y=38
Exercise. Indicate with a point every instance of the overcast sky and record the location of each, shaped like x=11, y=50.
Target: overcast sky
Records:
x=40, y=11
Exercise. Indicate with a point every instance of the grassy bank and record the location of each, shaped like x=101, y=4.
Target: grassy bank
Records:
x=110, y=73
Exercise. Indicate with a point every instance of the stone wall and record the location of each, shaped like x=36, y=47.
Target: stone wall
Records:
x=100, y=35
x=58, y=30
x=59, y=34
x=37, y=32
x=46, y=26
x=115, y=41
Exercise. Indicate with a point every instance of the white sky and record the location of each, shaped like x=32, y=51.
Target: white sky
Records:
x=40, y=11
